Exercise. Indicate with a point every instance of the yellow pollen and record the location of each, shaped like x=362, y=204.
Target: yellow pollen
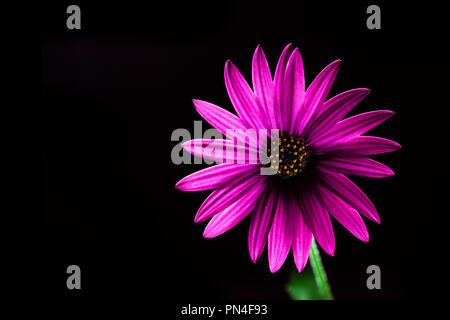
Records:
x=290, y=158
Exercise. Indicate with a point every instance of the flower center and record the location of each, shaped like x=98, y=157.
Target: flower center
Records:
x=292, y=156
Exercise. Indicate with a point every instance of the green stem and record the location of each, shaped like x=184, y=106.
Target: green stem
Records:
x=319, y=271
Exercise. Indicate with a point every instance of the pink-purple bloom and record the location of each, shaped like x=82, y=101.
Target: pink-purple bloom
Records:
x=317, y=148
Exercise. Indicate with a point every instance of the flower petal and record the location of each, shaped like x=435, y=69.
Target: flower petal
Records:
x=222, y=120
x=279, y=235
x=335, y=110
x=357, y=166
x=317, y=219
x=279, y=82
x=293, y=93
x=227, y=123
x=361, y=146
x=232, y=215
x=352, y=127
x=243, y=98
x=263, y=85
x=260, y=223
x=219, y=150
x=345, y=189
x=343, y=213
x=226, y=195
x=301, y=236
x=211, y=177
x=315, y=96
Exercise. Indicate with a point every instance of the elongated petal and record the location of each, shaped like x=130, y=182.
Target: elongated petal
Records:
x=234, y=214
x=301, y=236
x=293, y=90
x=226, y=195
x=343, y=213
x=361, y=146
x=279, y=82
x=219, y=118
x=357, y=166
x=280, y=236
x=219, y=150
x=263, y=85
x=315, y=96
x=318, y=220
x=345, y=189
x=227, y=123
x=352, y=127
x=335, y=110
x=243, y=98
x=212, y=177
x=260, y=223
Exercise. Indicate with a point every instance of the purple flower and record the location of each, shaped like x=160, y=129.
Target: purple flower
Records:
x=317, y=148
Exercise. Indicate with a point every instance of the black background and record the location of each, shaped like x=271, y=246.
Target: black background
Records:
x=112, y=93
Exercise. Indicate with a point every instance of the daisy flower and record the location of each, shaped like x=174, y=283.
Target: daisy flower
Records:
x=310, y=157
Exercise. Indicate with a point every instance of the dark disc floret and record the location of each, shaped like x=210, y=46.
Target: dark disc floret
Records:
x=291, y=158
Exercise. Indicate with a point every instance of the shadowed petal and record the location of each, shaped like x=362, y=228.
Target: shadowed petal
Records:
x=232, y=215
x=345, y=189
x=357, y=166
x=335, y=110
x=279, y=82
x=260, y=223
x=263, y=85
x=211, y=177
x=243, y=98
x=280, y=236
x=352, y=127
x=342, y=212
x=226, y=195
x=301, y=236
x=315, y=96
x=293, y=93
x=361, y=146
x=317, y=219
